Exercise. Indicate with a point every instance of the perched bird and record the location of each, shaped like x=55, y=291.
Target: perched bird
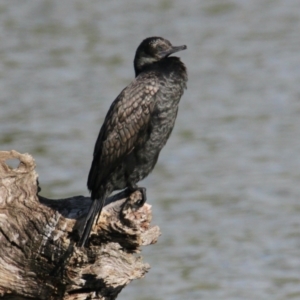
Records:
x=137, y=125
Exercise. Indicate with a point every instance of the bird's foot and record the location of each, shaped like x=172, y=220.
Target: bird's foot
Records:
x=142, y=190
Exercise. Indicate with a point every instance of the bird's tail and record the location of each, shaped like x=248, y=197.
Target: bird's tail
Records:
x=95, y=209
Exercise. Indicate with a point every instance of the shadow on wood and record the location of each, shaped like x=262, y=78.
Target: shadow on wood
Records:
x=39, y=258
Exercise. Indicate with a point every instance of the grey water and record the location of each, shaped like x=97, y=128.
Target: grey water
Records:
x=225, y=191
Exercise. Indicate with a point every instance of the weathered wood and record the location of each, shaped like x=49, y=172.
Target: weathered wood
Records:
x=39, y=258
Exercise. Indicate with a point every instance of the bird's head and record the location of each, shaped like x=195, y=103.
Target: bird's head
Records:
x=152, y=50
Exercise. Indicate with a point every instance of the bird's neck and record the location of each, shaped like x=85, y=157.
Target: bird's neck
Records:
x=142, y=64
x=165, y=65
x=145, y=64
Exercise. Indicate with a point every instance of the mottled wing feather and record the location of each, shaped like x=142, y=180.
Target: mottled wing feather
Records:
x=127, y=117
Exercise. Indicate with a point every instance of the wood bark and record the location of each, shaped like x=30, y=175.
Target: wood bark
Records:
x=39, y=258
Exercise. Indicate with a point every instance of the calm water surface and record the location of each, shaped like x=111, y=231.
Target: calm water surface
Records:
x=225, y=191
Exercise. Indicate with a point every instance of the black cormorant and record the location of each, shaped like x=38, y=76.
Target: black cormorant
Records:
x=137, y=125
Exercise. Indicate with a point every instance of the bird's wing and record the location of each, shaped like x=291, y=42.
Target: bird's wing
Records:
x=128, y=116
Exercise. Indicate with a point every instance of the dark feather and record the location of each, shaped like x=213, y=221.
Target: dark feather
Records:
x=126, y=120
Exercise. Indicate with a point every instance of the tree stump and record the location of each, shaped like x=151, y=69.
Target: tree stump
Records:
x=39, y=258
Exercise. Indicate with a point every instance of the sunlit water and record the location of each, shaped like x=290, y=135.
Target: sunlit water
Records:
x=225, y=191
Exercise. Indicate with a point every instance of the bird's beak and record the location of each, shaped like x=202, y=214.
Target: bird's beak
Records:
x=173, y=50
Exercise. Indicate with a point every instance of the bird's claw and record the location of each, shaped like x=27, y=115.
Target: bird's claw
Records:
x=142, y=190
x=144, y=196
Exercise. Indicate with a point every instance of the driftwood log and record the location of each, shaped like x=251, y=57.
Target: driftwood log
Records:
x=39, y=258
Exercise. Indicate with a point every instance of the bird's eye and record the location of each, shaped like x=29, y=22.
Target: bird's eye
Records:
x=159, y=48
